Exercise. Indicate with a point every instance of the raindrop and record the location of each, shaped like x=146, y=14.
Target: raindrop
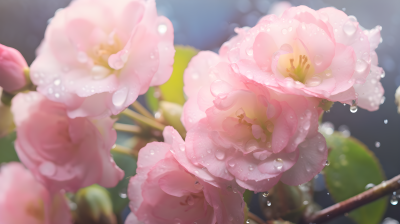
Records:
x=314, y=81
x=235, y=67
x=82, y=57
x=151, y=152
x=162, y=29
x=284, y=31
x=265, y=194
x=383, y=99
x=383, y=74
x=251, y=145
x=251, y=168
x=385, y=121
x=269, y=203
x=353, y=107
x=249, y=51
x=248, y=221
x=361, y=66
x=327, y=163
x=119, y=97
x=57, y=95
x=231, y=163
x=278, y=164
x=182, y=147
x=220, y=154
x=393, y=199
x=377, y=144
x=327, y=128
x=305, y=202
x=369, y=186
x=318, y=59
x=349, y=28
x=344, y=129
x=122, y=195
x=47, y=169
x=57, y=82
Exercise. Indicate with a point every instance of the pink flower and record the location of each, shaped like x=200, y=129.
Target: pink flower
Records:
x=24, y=200
x=99, y=55
x=168, y=189
x=323, y=54
x=63, y=153
x=239, y=129
x=12, y=66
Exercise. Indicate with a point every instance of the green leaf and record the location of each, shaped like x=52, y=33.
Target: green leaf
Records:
x=172, y=90
x=128, y=164
x=247, y=196
x=7, y=151
x=352, y=167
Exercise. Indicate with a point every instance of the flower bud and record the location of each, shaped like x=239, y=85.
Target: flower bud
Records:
x=171, y=113
x=94, y=206
x=13, y=69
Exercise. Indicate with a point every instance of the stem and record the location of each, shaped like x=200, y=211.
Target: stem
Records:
x=383, y=189
x=128, y=128
x=123, y=150
x=138, y=117
x=255, y=218
x=141, y=109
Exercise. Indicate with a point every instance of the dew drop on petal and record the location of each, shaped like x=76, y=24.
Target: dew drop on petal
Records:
x=314, y=81
x=249, y=51
x=119, y=97
x=278, y=164
x=220, y=154
x=162, y=29
x=353, y=108
x=318, y=59
x=251, y=145
x=235, y=67
x=182, y=147
x=349, y=28
x=231, y=163
x=269, y=203
x=47, y=169
x=361, y=65
x=265, y=194
x=248, y=221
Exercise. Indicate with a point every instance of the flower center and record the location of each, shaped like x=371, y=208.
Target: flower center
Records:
x=299, y=72
x=35, y=209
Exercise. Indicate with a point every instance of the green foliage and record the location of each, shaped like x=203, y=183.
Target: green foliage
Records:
x=172, y=90
x=7, y=151
x=128, y=164
x=352, y=167
x=151, y=100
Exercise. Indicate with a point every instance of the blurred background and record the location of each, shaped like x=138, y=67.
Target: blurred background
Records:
x=206, y=24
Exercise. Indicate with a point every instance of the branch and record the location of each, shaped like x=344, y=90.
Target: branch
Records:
x=128, y=128
x=255, y=218
x=383, y=189
x=139, y=108
x=145, y=120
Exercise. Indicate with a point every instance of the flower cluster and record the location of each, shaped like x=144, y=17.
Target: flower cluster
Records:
x=251, y=114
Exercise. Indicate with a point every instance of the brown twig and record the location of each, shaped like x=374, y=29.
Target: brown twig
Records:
x=141, y=109
x=134, y=129
x=383, y=189
x=145, y=120
x=255, y=218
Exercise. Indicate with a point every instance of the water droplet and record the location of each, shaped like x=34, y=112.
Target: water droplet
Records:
x=344, y=130
x=353, y=108
x=151, y=152
x=57, y=82
x=119, y=97
x=287, y=48
x=122, y=195
x=249, y=51
x=305, y=202
x=303, y=26
x=361, y=65
x=220, y=154
x=82, y=57
x=47, y=169
x=327, y=163
x=251, y=145
x=269, y=203
x=182, y=147
x=383, y=99
x=265, y=194
x=251, y=168
x=99, y=72
x=385, y=121
x=284, y=31
x=377, y=144
x=248, y=221
x=278, y=164
x=393, y=200
x=383, y=74
x=313, y=81
x=57, y=95
x=318, y=59
x=327, y=127
x=162, y=29
x=349, y=28
x=370, y=185
x=231, y=163
x=235, y=67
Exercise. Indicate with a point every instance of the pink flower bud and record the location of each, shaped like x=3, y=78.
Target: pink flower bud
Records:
x=12, y=66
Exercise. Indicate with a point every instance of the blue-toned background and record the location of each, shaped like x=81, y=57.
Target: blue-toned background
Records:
x=206, y=24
